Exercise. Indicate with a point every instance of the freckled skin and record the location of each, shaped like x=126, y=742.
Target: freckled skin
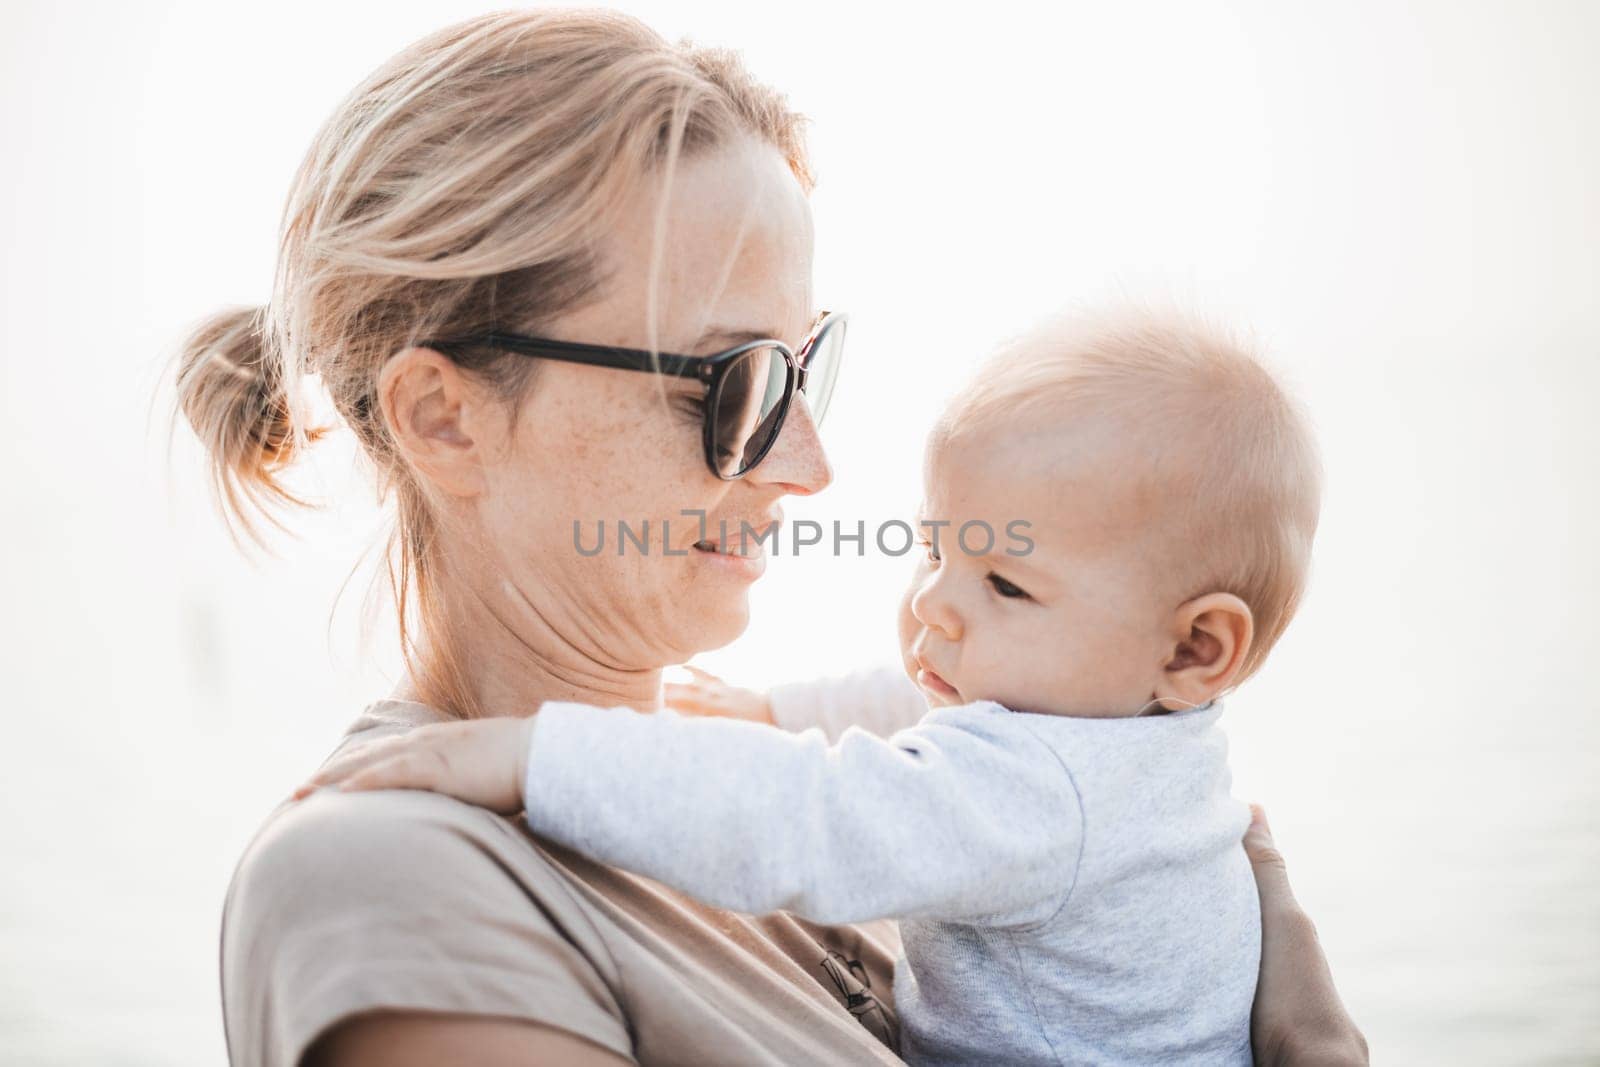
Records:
x=593, y=443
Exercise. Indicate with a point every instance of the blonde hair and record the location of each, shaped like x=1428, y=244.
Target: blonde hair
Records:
x=464, y=185
x=1198, y=400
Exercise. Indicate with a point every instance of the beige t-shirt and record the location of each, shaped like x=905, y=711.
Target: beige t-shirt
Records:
x=359, y=902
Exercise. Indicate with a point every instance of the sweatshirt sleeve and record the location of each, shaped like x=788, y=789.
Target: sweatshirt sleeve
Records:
x=964, y=817
x=880, y=700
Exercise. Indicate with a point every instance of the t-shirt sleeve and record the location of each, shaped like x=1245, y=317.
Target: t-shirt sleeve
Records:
x=396, y=901
x=879, y=700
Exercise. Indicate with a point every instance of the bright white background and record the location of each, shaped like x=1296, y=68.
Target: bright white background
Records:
x=1400, y=198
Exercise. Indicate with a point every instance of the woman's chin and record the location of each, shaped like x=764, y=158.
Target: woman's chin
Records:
x=714, y=621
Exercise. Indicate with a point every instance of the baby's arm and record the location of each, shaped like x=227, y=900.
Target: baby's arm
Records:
x=879, y=700
x=965, y=817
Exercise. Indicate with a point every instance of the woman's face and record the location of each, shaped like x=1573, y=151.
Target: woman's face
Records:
x=596, y=447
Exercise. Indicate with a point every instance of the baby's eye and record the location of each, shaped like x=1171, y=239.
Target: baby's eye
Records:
x=933, y=552
x=1005, y=588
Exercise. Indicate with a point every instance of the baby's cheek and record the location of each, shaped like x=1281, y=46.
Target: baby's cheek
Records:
x=1114, y=672
x=907, y=622
x=1053, y=665
x=920, y=574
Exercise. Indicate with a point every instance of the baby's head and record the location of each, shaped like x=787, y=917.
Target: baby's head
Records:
x=1171, y=492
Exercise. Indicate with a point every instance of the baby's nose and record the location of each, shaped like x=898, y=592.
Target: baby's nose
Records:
x=935, y=611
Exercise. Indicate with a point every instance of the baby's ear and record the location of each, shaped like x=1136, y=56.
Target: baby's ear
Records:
x=1211, y=638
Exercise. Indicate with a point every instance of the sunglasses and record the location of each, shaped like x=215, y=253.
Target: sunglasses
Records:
x=748, y=389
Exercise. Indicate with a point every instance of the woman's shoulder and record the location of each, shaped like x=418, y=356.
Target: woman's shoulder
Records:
x=331, y=845
x=334, y=849
x=347, y=903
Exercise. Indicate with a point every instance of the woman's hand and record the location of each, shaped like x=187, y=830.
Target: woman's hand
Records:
x=482, y=762
x=709, y=695
x=1298, y=1017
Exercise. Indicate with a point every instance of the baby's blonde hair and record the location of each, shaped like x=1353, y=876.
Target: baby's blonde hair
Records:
x=1205, y=414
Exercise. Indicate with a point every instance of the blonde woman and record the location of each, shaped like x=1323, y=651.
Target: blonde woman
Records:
x=551, y=268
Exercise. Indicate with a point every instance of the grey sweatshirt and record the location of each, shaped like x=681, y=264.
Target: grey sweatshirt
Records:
x=1071, y=890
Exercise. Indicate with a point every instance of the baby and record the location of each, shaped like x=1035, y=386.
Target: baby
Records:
x=1048, y=809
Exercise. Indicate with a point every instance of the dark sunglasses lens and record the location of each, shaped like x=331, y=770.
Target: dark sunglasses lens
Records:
x=822, y=367
x=748, y=408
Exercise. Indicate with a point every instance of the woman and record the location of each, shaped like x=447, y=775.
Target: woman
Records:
x=573, y=180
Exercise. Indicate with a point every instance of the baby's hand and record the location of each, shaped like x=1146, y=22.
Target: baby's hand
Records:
x=481, y=762
x=710, y=695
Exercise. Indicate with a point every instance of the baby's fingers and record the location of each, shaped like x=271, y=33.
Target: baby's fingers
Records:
x=341, y=767
x=408, y=770
x=690, y=696
x=479, y=762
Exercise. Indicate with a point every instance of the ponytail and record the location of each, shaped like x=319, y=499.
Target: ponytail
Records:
x=231, y=388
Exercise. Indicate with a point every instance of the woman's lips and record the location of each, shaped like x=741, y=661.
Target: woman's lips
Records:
x=748, y=567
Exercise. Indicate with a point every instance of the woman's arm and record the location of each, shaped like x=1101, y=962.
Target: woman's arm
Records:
x=1298, y=1017
x=405, y=1039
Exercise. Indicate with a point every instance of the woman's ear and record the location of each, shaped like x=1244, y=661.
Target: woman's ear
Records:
x=432, y=411
x=1212, y=637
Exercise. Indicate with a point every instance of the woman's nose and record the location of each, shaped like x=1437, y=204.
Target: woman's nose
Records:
x=796, y=460
x=932, y=606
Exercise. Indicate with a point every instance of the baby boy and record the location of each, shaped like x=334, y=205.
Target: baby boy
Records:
x=1048, y=809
